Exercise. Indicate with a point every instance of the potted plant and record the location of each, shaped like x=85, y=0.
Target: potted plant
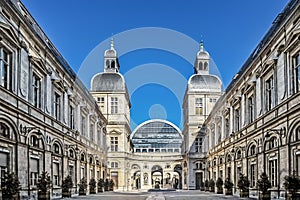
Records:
x=111, y=185
x=66, y=186
x=263, y=185
x=100, y=185
x=206, y=185
x=211, y=185
x=292, y=185
x=43, y=186
x=228, y=185
x=82, y=186
x=106, y=185
x=219, y=184
x=10, y=186
x=243, y=185
x=202, y=186
x=92, y=185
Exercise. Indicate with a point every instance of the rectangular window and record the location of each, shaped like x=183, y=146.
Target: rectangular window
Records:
x=238, y=172
x=36, y=89
x=229, y=173
x=83, y=125
x=221, y=174
x=237, y=119
x=92, y=132
x=198, y=144
x=269, y=93
x=227, y=127
x=296, y=63
x=71, y=172
x=273, y=172
x=114, y=105
x=252, y=175
x=6, y=69
x=199, y=106
x=57, y=106
x=34, y=171
x=114, y=143
x=251, y=109
x=71, y=117
x=56, y=174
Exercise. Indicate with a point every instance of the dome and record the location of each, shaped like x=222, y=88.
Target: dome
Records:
x=155, y=136
x=108, y=82
x=203, y=55
x=110, y=53
x=205, y=83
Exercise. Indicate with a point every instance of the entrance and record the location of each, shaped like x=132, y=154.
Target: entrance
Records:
x=177, y=178
x=199, y=181
x=157, y=176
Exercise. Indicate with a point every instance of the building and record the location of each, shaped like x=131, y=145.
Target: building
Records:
x=202, y=92
x=255, y=126
x=48, y=120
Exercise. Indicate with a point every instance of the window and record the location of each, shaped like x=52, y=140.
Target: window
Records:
x=57, y=105
x=56, y=174
x=83, y=124
x=114, y=143
x=273, y=172
x=34, y=171
x=252, y=150
x=250, y=109
x=56, y=148
x=4, y=131
x=114, y=105
x=272, y=142
x=34, y=141
x=221, y=174
x=252, y=175
x=269, y=93
x=199, y=106
x=6, y=69
x=36, y=89
x=114, y=165
x=227, y=127
x=229, y=172
x=296, y=64
x=3, y=163
x=71, y=171
x=92, y=132
x=237, y=119
x=198, y=144
x=100, y=99
x=71, y=117
x=238, y=154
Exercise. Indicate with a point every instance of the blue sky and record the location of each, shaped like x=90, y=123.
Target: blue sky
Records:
x=230, y=30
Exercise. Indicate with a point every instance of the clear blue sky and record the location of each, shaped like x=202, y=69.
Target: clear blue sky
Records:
x=230, y=29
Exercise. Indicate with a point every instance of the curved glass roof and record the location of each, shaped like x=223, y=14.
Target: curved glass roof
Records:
x=157, y=136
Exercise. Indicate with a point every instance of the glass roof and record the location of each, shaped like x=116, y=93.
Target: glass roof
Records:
x=157, y=136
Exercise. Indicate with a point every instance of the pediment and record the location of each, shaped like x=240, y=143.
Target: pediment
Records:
x=7, y=30
x=114, y=132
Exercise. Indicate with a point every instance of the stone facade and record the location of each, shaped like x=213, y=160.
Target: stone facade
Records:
x=255, y=125
x=48, y=120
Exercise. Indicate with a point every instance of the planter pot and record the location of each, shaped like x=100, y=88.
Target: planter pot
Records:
x=228, y=192
x=212, y=189
x=244, y=193
x=92, y=191
x=10, y=197
x=264, y=195
x=291, y=196
x=219, y=190
x=100, y=189
x=44, y=195
x=82, y=192
x=66, y=193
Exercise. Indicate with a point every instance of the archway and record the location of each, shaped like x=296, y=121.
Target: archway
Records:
x=177, y=177
x=157, y=176
x=137, y=180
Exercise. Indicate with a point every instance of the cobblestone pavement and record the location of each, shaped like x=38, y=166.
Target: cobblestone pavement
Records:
x=173, y=195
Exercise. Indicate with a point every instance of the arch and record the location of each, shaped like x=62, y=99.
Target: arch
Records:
x=293, y=129
x=107, y=64
x=57, y=147
x=13, y=130
x=200, y=65
x=135, y=166
x=82, y=157
x=228, y=158
x=205, y=66
x=113, y=64
x=238, y=154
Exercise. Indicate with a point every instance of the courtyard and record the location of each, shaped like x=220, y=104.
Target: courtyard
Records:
x=167, y=195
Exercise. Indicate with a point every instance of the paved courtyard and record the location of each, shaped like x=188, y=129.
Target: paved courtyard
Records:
x=173, y=195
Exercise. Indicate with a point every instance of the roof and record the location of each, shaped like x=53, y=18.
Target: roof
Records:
x=108, y=82
x=205, y=82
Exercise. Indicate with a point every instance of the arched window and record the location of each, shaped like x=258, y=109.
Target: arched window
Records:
x=238, y=154
x=82, y=157
x=71, y=153
x=113, y=64
x=4, y=130
x=34, y=141
x=228, y=158
x=107, y=64
x=91, y=160
x=252, y=150
x=200, y=66
x=272, y=142
x=221, y=161
x=56, y=148
x=205, y=65
x=114, y=165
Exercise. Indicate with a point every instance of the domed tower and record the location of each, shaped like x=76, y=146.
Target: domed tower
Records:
x=110, y=91
x=202, y=92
